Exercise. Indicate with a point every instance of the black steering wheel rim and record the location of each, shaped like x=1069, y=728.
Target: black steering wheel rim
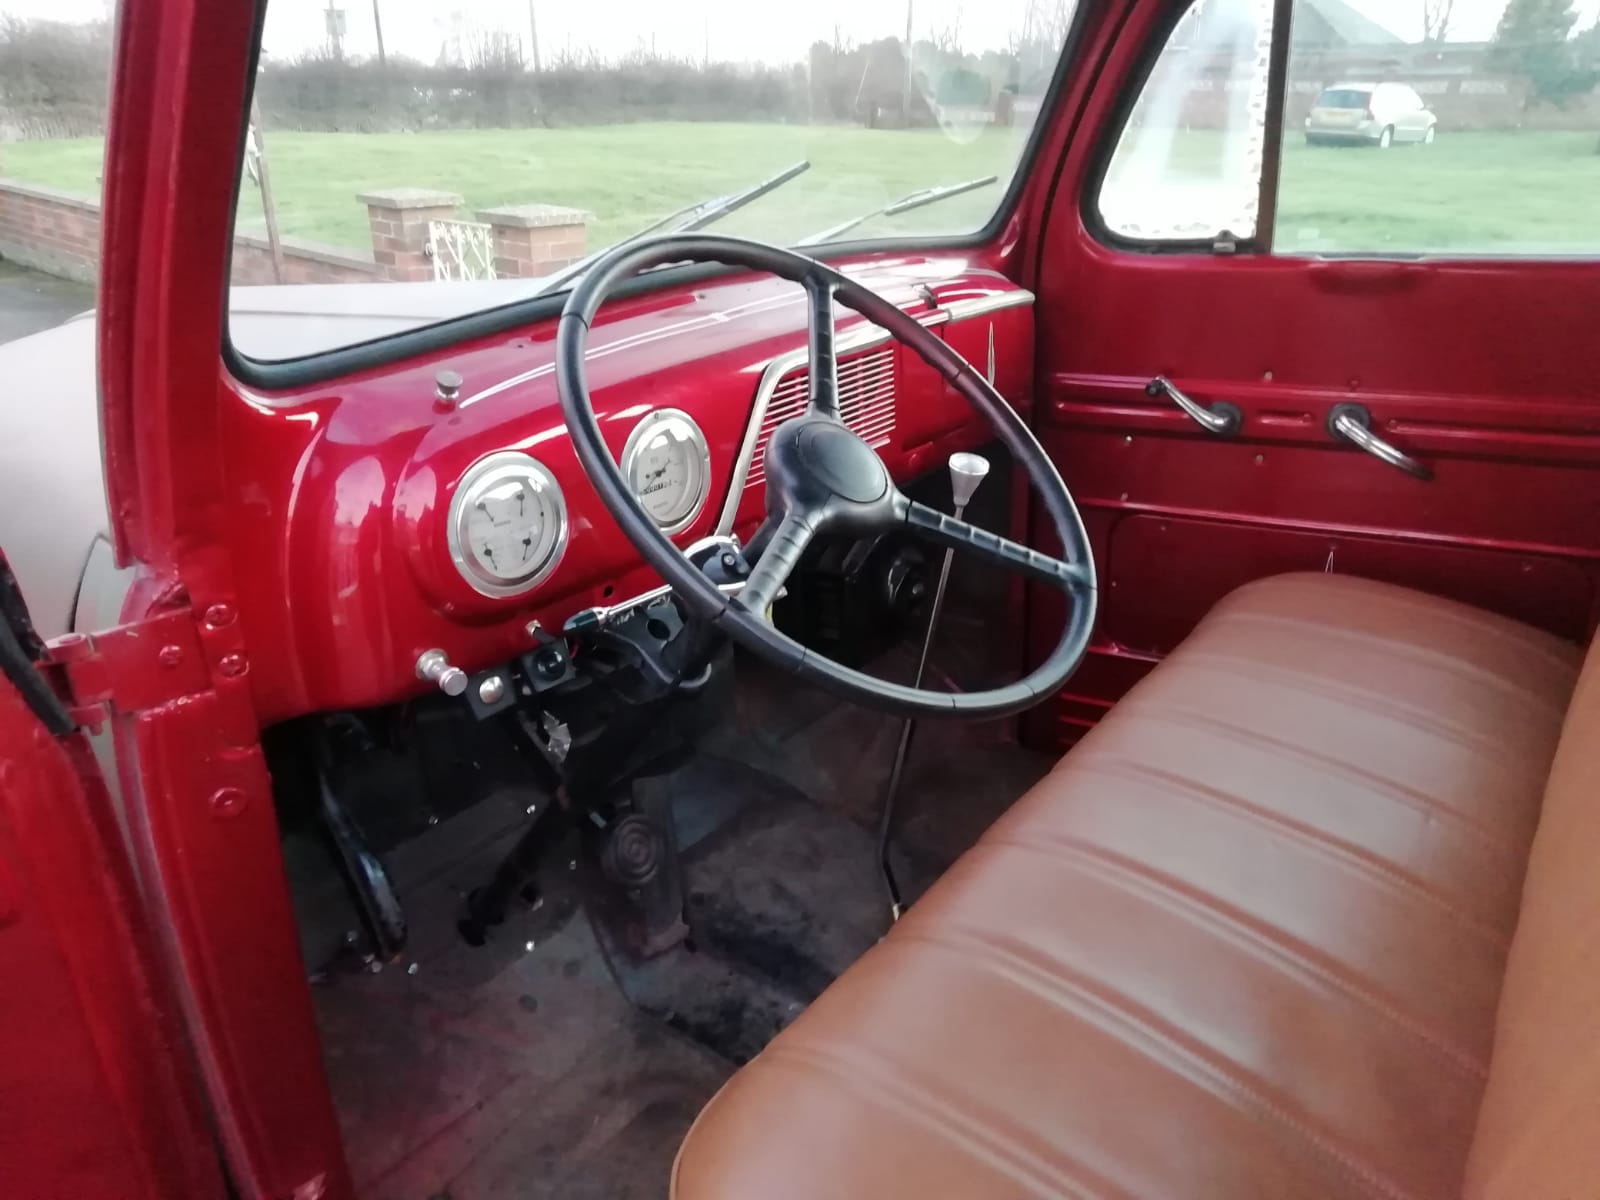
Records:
x=748, y=626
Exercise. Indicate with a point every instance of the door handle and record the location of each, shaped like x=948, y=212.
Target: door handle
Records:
x=1353, y=423
x=1222, y=419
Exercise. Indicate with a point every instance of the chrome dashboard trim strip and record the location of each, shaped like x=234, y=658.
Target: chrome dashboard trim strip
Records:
x=960, y=310
x=867, y=338
x=642, y=338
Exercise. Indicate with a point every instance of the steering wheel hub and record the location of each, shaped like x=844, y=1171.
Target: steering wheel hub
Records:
x=827, y=460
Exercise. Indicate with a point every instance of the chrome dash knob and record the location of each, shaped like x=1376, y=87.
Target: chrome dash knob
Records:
x=433, y=666
x=447, y=389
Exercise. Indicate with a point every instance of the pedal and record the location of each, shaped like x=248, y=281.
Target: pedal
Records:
x=377, y=902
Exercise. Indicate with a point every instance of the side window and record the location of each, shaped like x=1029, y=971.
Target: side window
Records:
x=1188, y=164
x=1461, y=131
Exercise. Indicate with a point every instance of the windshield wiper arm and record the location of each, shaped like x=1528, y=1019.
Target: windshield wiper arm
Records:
x=916, y=199
x=686, y=219
x=721, y=206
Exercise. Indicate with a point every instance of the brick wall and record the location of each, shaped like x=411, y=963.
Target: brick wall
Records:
x=303, y=262
x=525, y=240
x=535, y=239
x=50, y=230
x=399, y=218
x=59, y=233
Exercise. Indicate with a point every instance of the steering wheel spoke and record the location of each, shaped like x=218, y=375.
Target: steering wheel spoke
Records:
x=783, y=544
x=946, y=531
x=822, y=395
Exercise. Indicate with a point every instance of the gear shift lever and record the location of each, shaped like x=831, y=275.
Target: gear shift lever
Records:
x=967, y=471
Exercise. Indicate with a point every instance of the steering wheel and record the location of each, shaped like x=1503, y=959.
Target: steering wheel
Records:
x=822, y=478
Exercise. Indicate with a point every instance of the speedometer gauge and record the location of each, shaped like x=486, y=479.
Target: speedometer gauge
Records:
x=508, y=524
x=668, y=465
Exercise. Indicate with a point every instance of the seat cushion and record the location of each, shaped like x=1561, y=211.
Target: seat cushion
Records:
x=1247, y=940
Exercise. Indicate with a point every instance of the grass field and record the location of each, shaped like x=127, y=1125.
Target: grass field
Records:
x=1511, y=192
x=626, y=175
x=1469, y=191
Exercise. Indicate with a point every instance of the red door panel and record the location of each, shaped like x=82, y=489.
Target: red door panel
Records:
x=1485, y=371
x=1152, y=557
x=96, y=1095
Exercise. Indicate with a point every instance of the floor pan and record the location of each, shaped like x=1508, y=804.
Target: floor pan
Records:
x=517, y=1069
x=553, y=1063
x=549, y=1062
x=781, y=898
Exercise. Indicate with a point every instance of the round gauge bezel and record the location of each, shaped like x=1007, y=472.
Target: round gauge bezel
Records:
x=489, y=472
x=634, y=446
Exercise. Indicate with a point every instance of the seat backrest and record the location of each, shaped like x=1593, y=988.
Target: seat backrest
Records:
x=1538, y=1132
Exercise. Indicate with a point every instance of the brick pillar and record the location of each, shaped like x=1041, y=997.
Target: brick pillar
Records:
x=535, y=239
x=399, y=218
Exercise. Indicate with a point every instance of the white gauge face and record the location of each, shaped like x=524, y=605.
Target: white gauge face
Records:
x=668, y=465
x=508, y=524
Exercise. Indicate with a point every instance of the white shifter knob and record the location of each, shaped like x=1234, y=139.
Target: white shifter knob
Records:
x=967, y=471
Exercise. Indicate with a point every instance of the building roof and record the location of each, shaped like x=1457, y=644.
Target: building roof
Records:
x=1335, y=23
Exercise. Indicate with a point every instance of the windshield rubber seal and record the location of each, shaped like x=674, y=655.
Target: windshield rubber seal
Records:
x=272, y=375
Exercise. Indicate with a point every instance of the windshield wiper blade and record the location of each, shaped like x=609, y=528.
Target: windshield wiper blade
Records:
x=916, y=199
x=686, y=219
x=721, y=206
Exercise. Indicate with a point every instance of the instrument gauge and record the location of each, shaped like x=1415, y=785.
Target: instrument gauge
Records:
x=508, y=524
x=667, y=463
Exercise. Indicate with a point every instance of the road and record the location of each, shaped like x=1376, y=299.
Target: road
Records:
x=30, y=301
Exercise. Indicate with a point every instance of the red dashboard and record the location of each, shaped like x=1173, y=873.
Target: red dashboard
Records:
x=343, y=492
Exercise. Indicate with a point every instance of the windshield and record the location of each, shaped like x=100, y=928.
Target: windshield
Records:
x=1344, y=98
x=481, y=153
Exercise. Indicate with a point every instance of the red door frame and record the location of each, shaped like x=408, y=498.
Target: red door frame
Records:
x=191, y=765
x=103, y=1101
x=193, y=777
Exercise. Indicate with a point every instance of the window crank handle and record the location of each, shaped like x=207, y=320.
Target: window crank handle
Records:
x=1353, y=423
x=1222, y=419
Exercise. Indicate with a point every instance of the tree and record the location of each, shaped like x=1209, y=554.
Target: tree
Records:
x=1436, y=18
x=1586, y=48
x=948, y=39
x=1533, y=41
x=1045, y=25
x=53, y=76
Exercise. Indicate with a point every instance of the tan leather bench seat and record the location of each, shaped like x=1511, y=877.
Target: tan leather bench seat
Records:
x=1248, y=940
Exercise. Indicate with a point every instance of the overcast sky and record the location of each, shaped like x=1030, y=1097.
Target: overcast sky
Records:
x=730, y=29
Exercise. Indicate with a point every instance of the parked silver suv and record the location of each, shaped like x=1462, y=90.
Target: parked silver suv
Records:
x=1377, y=113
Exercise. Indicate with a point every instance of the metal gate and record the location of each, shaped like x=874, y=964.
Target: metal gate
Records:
x=461, y=249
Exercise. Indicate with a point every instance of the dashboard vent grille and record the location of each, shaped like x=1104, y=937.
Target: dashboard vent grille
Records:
x=866, y=403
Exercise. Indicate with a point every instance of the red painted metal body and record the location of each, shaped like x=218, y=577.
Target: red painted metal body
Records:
x=1488, y=371
x=339, y=533
x=297, y=536
x=1179, y=518
x=91, y=1034
x=203, y=830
